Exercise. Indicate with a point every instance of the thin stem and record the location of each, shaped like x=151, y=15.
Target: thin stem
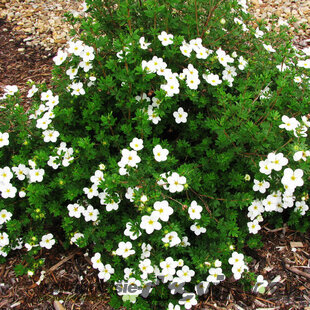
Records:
x=196, y=14
x=183, y=206
x=206, y=206
x=209, y=17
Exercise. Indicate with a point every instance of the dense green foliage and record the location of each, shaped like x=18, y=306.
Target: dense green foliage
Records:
x=228, y=126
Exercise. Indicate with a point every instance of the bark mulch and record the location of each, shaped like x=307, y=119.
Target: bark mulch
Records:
x=20, y=62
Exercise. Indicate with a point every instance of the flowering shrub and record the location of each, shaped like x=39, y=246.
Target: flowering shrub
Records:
x=171, y=129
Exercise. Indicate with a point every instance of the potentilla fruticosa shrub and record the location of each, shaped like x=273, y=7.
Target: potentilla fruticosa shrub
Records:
x=173, y=132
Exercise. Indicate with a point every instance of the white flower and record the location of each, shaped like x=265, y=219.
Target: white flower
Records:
x=32, y=91
x=143, y=44
x=215, y=275
x=10, y=90
x=146, y=267
x=168, y=266
x=97, y=178
x=258, y=33
x=91, y=191
x=184, y=243
x=43, y=123
x=291, y=178
x=75, y=210
x=75, y=238
x=188, y=300
x=5, y=175
x=196, y=44
x=165, y=38
x=5, y=216
x=289, y=123
x=36, y=175
x=265, y=166
x=4, y=139
x=96, y=261
x=254, y=227
x=51, y=103
x=77, y=89
x=47, y=241
x=86, y=66
x=160, y=154
x=45, y=96
x=8, y=191
x=4, y=239
x=105, y=272
x=192, y=82
x=306, y=51
x=186, y=49
x=269, y=48
x=301, y=206
x=112, y=205
x=125, y=249
x=153, y=115
x=260, y=282
x=176, y=182
x=277, y=161
x=301, y=155
x=190, y=72
x=90, y=214
x=197, y=229
x=236, y=258
x=52, y=162
x=242, y=63
x=217, y=263
x=176, y=286
x=88, y=53
x=129, y=158
x=171, y=88
x=202, y=288
x=203, y=53
x=22, y=194
x=304, y=63
x=133, y=235
x=256, y=208
x=223, y=58
x=76, y=48
x=150, y=222
x=50, y=135
x=60, y=57
x=146, y=250
x=282, y=67
x=212, y=79
x=136, y=144
x=163, y=209
x=194, y=211
x=130, y=194
x=171, y=238
x=238, y=269
x=143, y=199
x=260, y=186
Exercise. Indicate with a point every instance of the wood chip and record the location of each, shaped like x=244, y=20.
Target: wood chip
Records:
x=58, y=305
x=296, y=244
